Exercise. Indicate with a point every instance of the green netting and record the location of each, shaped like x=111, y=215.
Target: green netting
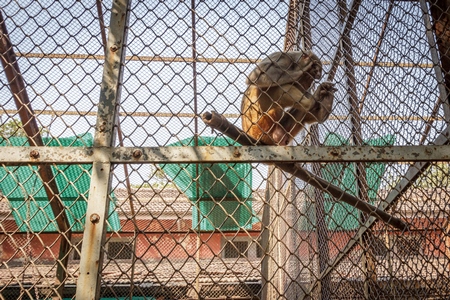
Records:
x=341, y=216
x=222, y=197
x=24, y=190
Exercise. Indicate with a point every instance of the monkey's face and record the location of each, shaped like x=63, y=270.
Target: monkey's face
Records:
x=316, y=69
x=313, y=66
x=312, y=70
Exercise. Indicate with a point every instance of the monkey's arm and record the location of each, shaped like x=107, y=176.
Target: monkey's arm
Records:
x=310, y=109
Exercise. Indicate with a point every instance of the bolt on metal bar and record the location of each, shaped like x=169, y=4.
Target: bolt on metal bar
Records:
x=16, y=156
x=88, y=286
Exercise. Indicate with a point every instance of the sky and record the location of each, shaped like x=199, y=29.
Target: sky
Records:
x=153, y=90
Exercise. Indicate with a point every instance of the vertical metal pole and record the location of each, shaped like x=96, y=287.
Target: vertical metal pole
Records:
x=348, y=24
x=88, y=285
x=197, y=187
x=125, y=167
x=324, y=277
x=375, y=56
x=368, y=261
x=292, y=26
x=323, y=251
x=276, y=282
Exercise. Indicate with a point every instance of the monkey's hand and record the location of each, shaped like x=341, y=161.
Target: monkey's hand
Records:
x=323, y=105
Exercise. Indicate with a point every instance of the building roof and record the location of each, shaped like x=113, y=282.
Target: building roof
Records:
x=164, y=203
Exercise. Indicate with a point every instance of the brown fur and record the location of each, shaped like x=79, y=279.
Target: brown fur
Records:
x=276, y=105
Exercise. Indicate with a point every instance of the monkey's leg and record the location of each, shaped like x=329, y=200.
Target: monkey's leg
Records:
x=289, y=126
x=269, y=124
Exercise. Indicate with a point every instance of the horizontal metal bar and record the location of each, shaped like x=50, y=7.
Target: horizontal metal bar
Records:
x=61, y=113
x=387, y=64
x=209, y=154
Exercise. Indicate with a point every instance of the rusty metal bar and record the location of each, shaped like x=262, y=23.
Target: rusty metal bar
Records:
x=348, y=24
x=218, y=122
x=14, y=156
x=368, y=261
x=102, y=24
x=212, y=60
x=443, y=99
x=60, y=113
x=88, y=286
x=31, y=128
x=305, y=28
x=292, y=26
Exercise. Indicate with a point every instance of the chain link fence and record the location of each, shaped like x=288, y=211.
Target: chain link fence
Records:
x=112, y=186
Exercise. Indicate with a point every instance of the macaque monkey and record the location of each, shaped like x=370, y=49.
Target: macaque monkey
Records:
x=277, y=105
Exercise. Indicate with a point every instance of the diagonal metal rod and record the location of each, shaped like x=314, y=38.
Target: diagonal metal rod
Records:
x=89, y=281
x=31, y=128
x=435, y=59
x=348, y=24
x=220, y=123
x=411, y=175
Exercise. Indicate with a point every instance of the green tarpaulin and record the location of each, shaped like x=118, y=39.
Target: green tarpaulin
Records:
x=222, y=197
x=339, y=215
x=24, y=190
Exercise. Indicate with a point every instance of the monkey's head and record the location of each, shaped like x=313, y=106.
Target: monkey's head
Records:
x=312, y=63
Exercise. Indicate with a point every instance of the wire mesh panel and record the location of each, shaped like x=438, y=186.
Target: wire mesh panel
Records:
x=188, y=214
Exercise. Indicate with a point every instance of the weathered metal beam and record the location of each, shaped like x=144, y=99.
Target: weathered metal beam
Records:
x=31, y=128
x=12, y=156
x=217, y=60
x=209, y=154
x=443, y=93
x=345, y=31
x=61, y=113
x=88, y=285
